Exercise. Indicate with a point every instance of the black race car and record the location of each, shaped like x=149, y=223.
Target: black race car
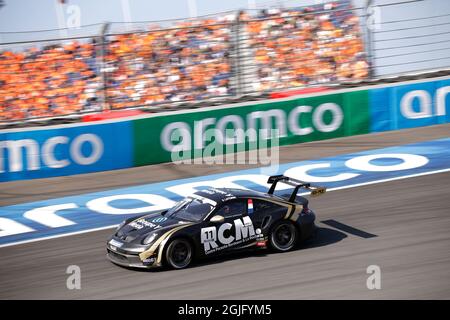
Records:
x=214, y=221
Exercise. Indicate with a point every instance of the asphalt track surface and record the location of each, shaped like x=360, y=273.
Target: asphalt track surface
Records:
x=406, y=225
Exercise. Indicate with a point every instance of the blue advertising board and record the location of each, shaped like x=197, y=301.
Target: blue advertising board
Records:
x=409, y=106
x=61, y=151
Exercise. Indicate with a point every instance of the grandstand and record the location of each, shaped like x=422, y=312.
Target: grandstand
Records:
x=210, y=60
x=51, y=81
x=192, y=60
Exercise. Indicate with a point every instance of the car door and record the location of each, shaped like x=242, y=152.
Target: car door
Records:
x=263, y=213
x=233, y=232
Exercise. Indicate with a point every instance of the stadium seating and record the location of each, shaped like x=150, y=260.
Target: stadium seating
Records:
x=302, y=47
x=191, y=60
x=51, y=81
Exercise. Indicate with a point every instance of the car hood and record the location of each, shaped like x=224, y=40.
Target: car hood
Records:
x=139, y=228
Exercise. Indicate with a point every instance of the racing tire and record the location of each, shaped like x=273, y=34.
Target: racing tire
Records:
x=283, y=236
x=179, y=254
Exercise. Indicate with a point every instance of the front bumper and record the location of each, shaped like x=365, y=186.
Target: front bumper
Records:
x=129, y=258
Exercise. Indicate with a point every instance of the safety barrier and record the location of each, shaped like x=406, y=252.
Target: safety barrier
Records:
x=415, y=104
x=296, y=119
x=106, y=145
x=65, y=150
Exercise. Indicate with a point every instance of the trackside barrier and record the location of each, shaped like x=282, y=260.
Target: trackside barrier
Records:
x=410, y=105
x=296, y=119
x=65, y=150
x=83, y=148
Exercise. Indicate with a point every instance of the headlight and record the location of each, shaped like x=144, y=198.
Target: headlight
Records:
x=150, y=238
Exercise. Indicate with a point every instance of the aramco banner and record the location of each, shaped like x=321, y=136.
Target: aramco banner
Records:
x=188, y=135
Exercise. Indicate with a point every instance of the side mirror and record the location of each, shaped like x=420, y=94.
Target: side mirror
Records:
x=217, y=219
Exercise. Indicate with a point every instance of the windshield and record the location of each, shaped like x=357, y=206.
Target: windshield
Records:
x=190, y=209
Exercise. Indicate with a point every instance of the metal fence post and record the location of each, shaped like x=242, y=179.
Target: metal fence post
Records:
x=369, y=42
x=104, y=77
x=237, y=54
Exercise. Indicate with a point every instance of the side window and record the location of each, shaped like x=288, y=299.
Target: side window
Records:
x=233, y=208
x=261, y=206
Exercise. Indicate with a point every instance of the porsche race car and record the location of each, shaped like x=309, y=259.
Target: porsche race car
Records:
x=215, y=221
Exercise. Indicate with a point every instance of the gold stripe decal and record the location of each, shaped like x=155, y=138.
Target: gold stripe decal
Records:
x=149, y=252
x=289, y=212
x=296, y=213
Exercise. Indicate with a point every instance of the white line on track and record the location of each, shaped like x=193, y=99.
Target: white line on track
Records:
x=328, y=190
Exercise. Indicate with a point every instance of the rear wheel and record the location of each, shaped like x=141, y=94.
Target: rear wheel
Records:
x=283, y=236
x=179, y=253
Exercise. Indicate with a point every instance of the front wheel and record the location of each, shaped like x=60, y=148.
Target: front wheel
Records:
x=283, y=236
x=179, y=254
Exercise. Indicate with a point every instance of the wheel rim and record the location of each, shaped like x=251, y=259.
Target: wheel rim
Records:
x=180, y=254
x=283, y=237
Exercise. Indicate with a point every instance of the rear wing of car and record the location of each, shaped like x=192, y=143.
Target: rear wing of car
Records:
x=297, y=184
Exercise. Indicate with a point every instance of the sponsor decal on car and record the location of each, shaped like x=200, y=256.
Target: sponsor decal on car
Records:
x=142, y=223
x=250, y=206
x=114, y=244
x=215, y=238
x=203, y=199
x=159, y=220
x=149, y=261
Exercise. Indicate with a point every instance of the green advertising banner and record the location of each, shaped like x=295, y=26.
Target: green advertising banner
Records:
x=297, y=120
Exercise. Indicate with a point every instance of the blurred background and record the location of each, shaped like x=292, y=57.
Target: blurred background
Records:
x=69, y=57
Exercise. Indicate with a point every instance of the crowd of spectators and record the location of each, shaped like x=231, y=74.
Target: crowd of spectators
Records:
x=50, y=81
x=313, y=45
x=192, y=60
x=187, y=62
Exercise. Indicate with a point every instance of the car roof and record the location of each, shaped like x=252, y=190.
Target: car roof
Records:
x=220, y=195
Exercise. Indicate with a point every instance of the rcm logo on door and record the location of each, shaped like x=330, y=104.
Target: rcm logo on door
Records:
x=56, y=152
x=244, y=231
